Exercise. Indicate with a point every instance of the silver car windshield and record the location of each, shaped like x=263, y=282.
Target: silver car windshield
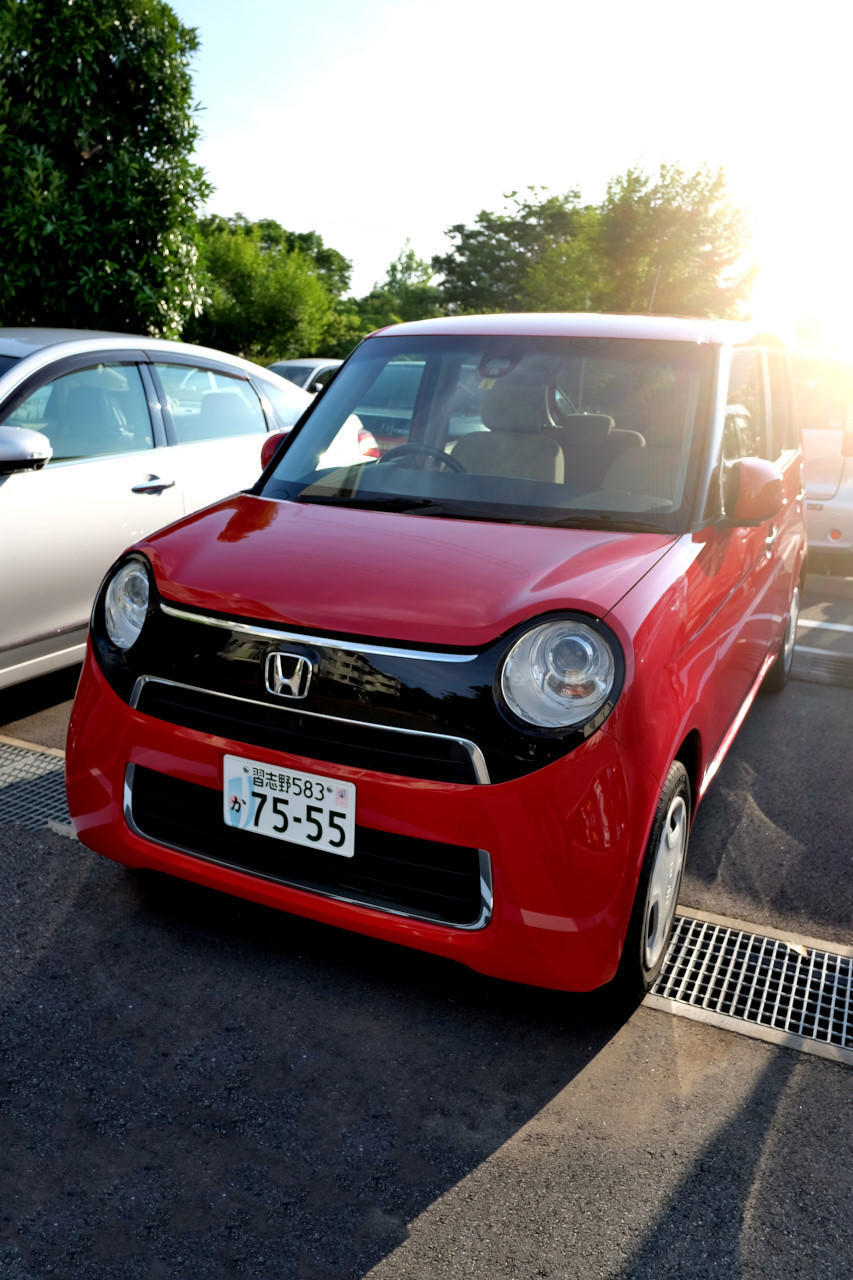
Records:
x=579, y=431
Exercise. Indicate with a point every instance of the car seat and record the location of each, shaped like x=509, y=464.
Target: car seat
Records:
x=515, y=444
x=89, y=424
x=222, y=413
x=590, y=444
x=659, y=468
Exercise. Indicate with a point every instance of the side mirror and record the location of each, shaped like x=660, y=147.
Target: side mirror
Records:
x=753, y=491
x=23, y=450
x=270, y=445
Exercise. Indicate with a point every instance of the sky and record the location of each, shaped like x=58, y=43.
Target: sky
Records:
x=377, y=122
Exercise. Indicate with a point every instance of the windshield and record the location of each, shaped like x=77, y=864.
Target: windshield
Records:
x=6, y=362
x=576, y=431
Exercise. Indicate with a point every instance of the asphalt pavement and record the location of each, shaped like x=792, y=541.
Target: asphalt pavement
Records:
x=195, y=1087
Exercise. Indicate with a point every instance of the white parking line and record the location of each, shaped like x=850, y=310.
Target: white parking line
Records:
x=32, y=746
x=824, y=626
x=827, y=653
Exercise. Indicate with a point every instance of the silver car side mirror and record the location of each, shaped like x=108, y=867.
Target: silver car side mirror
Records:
x=23, y=450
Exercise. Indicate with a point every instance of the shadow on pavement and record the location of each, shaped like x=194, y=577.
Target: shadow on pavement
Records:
x=221, y=1089
x=38, y=710
x=750, y=1205
x=771, y=842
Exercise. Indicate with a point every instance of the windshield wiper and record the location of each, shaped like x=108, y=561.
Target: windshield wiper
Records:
x=497, y=513
x=619, y=524
x=378, y=502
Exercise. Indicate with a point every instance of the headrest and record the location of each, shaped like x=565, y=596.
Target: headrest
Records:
x=660, y=411
x=224, y=408
x=585, y=427
x=90, y=406
x=514, y=406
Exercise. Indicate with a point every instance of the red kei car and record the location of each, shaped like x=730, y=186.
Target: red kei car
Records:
x=467, y=695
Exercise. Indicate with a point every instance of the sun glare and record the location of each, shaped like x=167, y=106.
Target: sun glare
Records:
x=804, y=291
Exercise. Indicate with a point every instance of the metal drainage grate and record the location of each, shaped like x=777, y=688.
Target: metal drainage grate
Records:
x=787, y=990
x=32, y=788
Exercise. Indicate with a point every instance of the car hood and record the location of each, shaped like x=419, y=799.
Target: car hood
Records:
x=405, y=577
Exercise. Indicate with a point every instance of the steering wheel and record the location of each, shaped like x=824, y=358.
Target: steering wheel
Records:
x=404, y=450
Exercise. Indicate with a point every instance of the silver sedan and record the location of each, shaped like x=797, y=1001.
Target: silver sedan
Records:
x=104, y=438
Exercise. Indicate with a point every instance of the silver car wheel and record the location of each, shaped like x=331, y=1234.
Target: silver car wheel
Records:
x=664, y=882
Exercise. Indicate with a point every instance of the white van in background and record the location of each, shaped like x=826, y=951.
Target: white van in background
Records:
x=824, y=389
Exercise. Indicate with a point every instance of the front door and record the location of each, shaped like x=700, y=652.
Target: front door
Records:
x=61, y=528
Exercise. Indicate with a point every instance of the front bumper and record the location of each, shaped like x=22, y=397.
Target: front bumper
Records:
x=559, y=850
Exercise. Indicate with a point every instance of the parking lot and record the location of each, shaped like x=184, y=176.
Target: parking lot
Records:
x=197, y=1087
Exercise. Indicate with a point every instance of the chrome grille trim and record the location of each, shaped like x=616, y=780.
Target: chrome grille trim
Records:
x=320, y=642
x=486, y=882
x=475, y=755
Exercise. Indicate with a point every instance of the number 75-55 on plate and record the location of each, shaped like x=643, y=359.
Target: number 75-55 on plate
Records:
x=300, y=808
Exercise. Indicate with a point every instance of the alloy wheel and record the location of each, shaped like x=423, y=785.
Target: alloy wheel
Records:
x=664, y=882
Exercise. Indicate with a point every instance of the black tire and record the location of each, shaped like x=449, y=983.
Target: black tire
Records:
x=779, y=674
x=652, y=918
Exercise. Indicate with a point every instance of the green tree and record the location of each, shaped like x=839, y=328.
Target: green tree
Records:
x=672, y=244
x=332, y=267
x=567, y=275
x=345, y=328
x=98, y=194
x=486, y=270
x=406, y=293
x=409, y=282
x=263, y=300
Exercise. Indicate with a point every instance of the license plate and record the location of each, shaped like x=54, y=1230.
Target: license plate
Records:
x=301, y=808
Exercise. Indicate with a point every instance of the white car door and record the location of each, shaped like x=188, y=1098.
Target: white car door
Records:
x=825, y=404
x=218, y=426
x=62, y=527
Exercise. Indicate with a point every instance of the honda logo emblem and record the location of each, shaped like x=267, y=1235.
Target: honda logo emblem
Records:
x=288, y=674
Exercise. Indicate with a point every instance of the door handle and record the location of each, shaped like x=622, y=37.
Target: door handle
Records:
x=152, y=484
x=771, y=537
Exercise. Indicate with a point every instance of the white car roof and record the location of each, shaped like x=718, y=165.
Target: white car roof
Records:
x=23, y=342
x=33, y=348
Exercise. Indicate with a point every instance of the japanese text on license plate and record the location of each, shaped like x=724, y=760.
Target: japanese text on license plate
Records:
x=302, y=808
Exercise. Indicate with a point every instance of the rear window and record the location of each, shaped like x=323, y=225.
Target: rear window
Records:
x=298, y=373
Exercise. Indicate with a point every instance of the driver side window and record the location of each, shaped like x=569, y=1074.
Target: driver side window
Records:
x=89, y=413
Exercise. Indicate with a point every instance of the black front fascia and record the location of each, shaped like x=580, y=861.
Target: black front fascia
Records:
x=426, y=695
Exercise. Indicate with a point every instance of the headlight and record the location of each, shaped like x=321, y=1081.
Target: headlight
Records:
x=558, y=675
x=126, y=603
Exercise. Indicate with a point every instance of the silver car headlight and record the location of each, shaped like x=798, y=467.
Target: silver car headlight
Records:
x=559, y=674
x=126, y=603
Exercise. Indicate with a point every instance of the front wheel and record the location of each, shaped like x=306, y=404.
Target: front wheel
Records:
x=653, y=915
x=778, y=675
